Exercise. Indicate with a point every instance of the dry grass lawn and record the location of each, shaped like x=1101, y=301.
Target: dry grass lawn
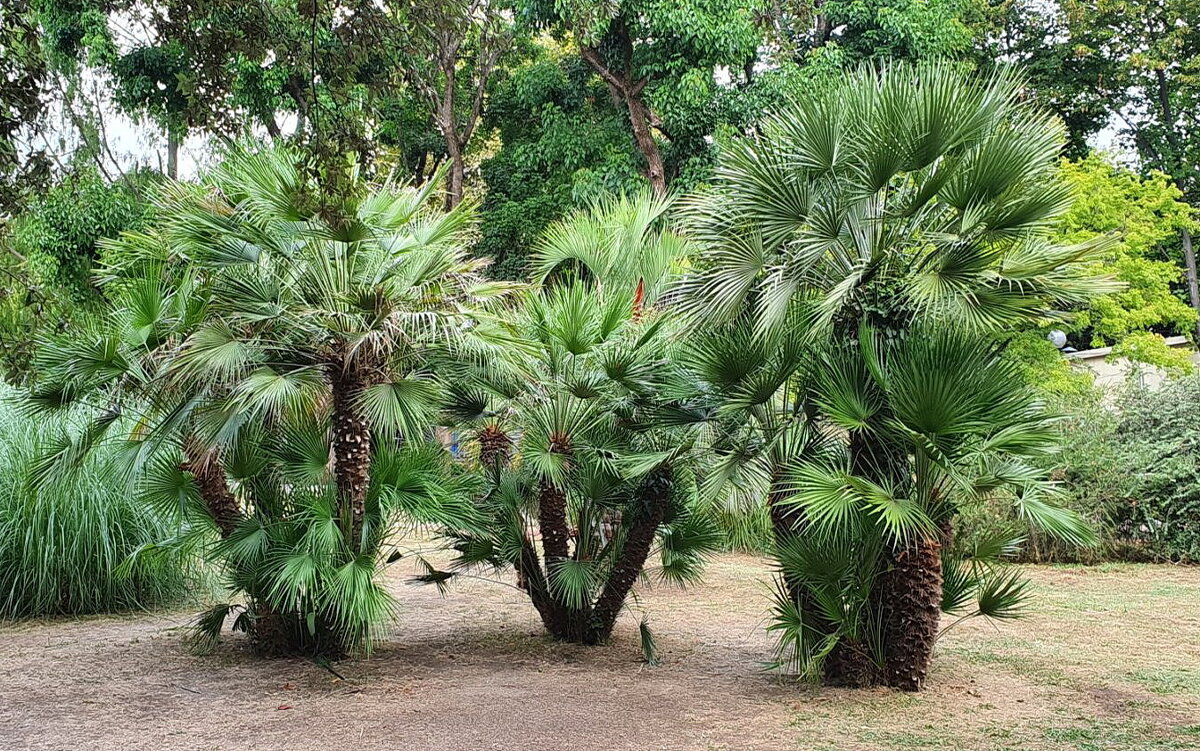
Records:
x=1110, y=660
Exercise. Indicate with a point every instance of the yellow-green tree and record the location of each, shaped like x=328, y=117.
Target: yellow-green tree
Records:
x=1145, y=215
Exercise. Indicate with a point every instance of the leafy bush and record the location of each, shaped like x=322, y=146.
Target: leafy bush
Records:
x=1156, y=444
x=65, y=546
x=1132, y=468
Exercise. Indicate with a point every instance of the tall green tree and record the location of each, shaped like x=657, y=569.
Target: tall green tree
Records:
x=350, y=74
x=1131, y=64
x=1145, y=216
x=458, y=47
x=907, y=200
x=563, y=142
x=53, y=246
x=657, y=61
x=22, y=79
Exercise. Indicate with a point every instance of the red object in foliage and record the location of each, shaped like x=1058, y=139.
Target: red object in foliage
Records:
x=638, y=297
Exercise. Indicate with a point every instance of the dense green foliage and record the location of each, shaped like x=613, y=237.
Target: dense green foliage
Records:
x=1145, y=216
x=1156, y=448
x=789, y=269
x=22, y=75
x=52, y=248
x=1130, y=468
x=60, y=233
x=65, y=546
x=859, y=252
x=271, y=353
x=563, y=143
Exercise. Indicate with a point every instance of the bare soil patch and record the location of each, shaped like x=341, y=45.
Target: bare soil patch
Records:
x=1109, y=659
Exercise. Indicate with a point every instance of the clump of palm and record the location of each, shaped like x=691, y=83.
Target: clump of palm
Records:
x=268, y=355
x=902, y=199
x=578, y=447
x=303, y=586
x=72, y=546
x=967, y=430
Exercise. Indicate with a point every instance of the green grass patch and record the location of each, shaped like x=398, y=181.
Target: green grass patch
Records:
x=1119, y=735
x=1168, y=681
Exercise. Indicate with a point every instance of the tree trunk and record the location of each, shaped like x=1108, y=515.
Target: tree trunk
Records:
x=1174, y=166
x=639, y=120
x=654, y=495
x=562, y=622
x=212, y=486
x=552, y=521
x=851, y=665
x=910, y=596
x=351, y=447
x=1193, y=281
x=626, y=90
x=908, y=588
x=457, y=176
x=173, y=152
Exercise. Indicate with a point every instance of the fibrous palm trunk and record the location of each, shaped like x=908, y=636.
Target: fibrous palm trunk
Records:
x=563, y=622
x=910, y=598
x=212, y=486
x=907, y=593
x=653, y=498
x=908, y=588
x=351, y=447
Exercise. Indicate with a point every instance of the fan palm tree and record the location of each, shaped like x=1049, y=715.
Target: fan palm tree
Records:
x=577, y=444
x=256, y=314
x=966, y=428
x=909, y=198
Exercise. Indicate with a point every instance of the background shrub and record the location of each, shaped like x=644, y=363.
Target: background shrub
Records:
x=47, y=256
x=1132, y=467
x=63, y=545
x=1156, y=443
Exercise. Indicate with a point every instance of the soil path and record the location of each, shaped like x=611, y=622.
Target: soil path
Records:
x=472, y=671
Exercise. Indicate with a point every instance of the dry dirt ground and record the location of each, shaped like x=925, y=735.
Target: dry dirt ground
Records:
x=1109, y=660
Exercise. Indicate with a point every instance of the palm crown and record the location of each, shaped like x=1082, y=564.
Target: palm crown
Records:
x=895, y=195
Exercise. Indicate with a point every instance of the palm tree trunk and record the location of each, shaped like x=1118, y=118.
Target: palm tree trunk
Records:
x=209, y=475
x=910, y=596
x=907, y=594
x=552, y=521
x=563, y=623
x=351, y=447
x=908, y=589
x=851, y=665
x=654, y=496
